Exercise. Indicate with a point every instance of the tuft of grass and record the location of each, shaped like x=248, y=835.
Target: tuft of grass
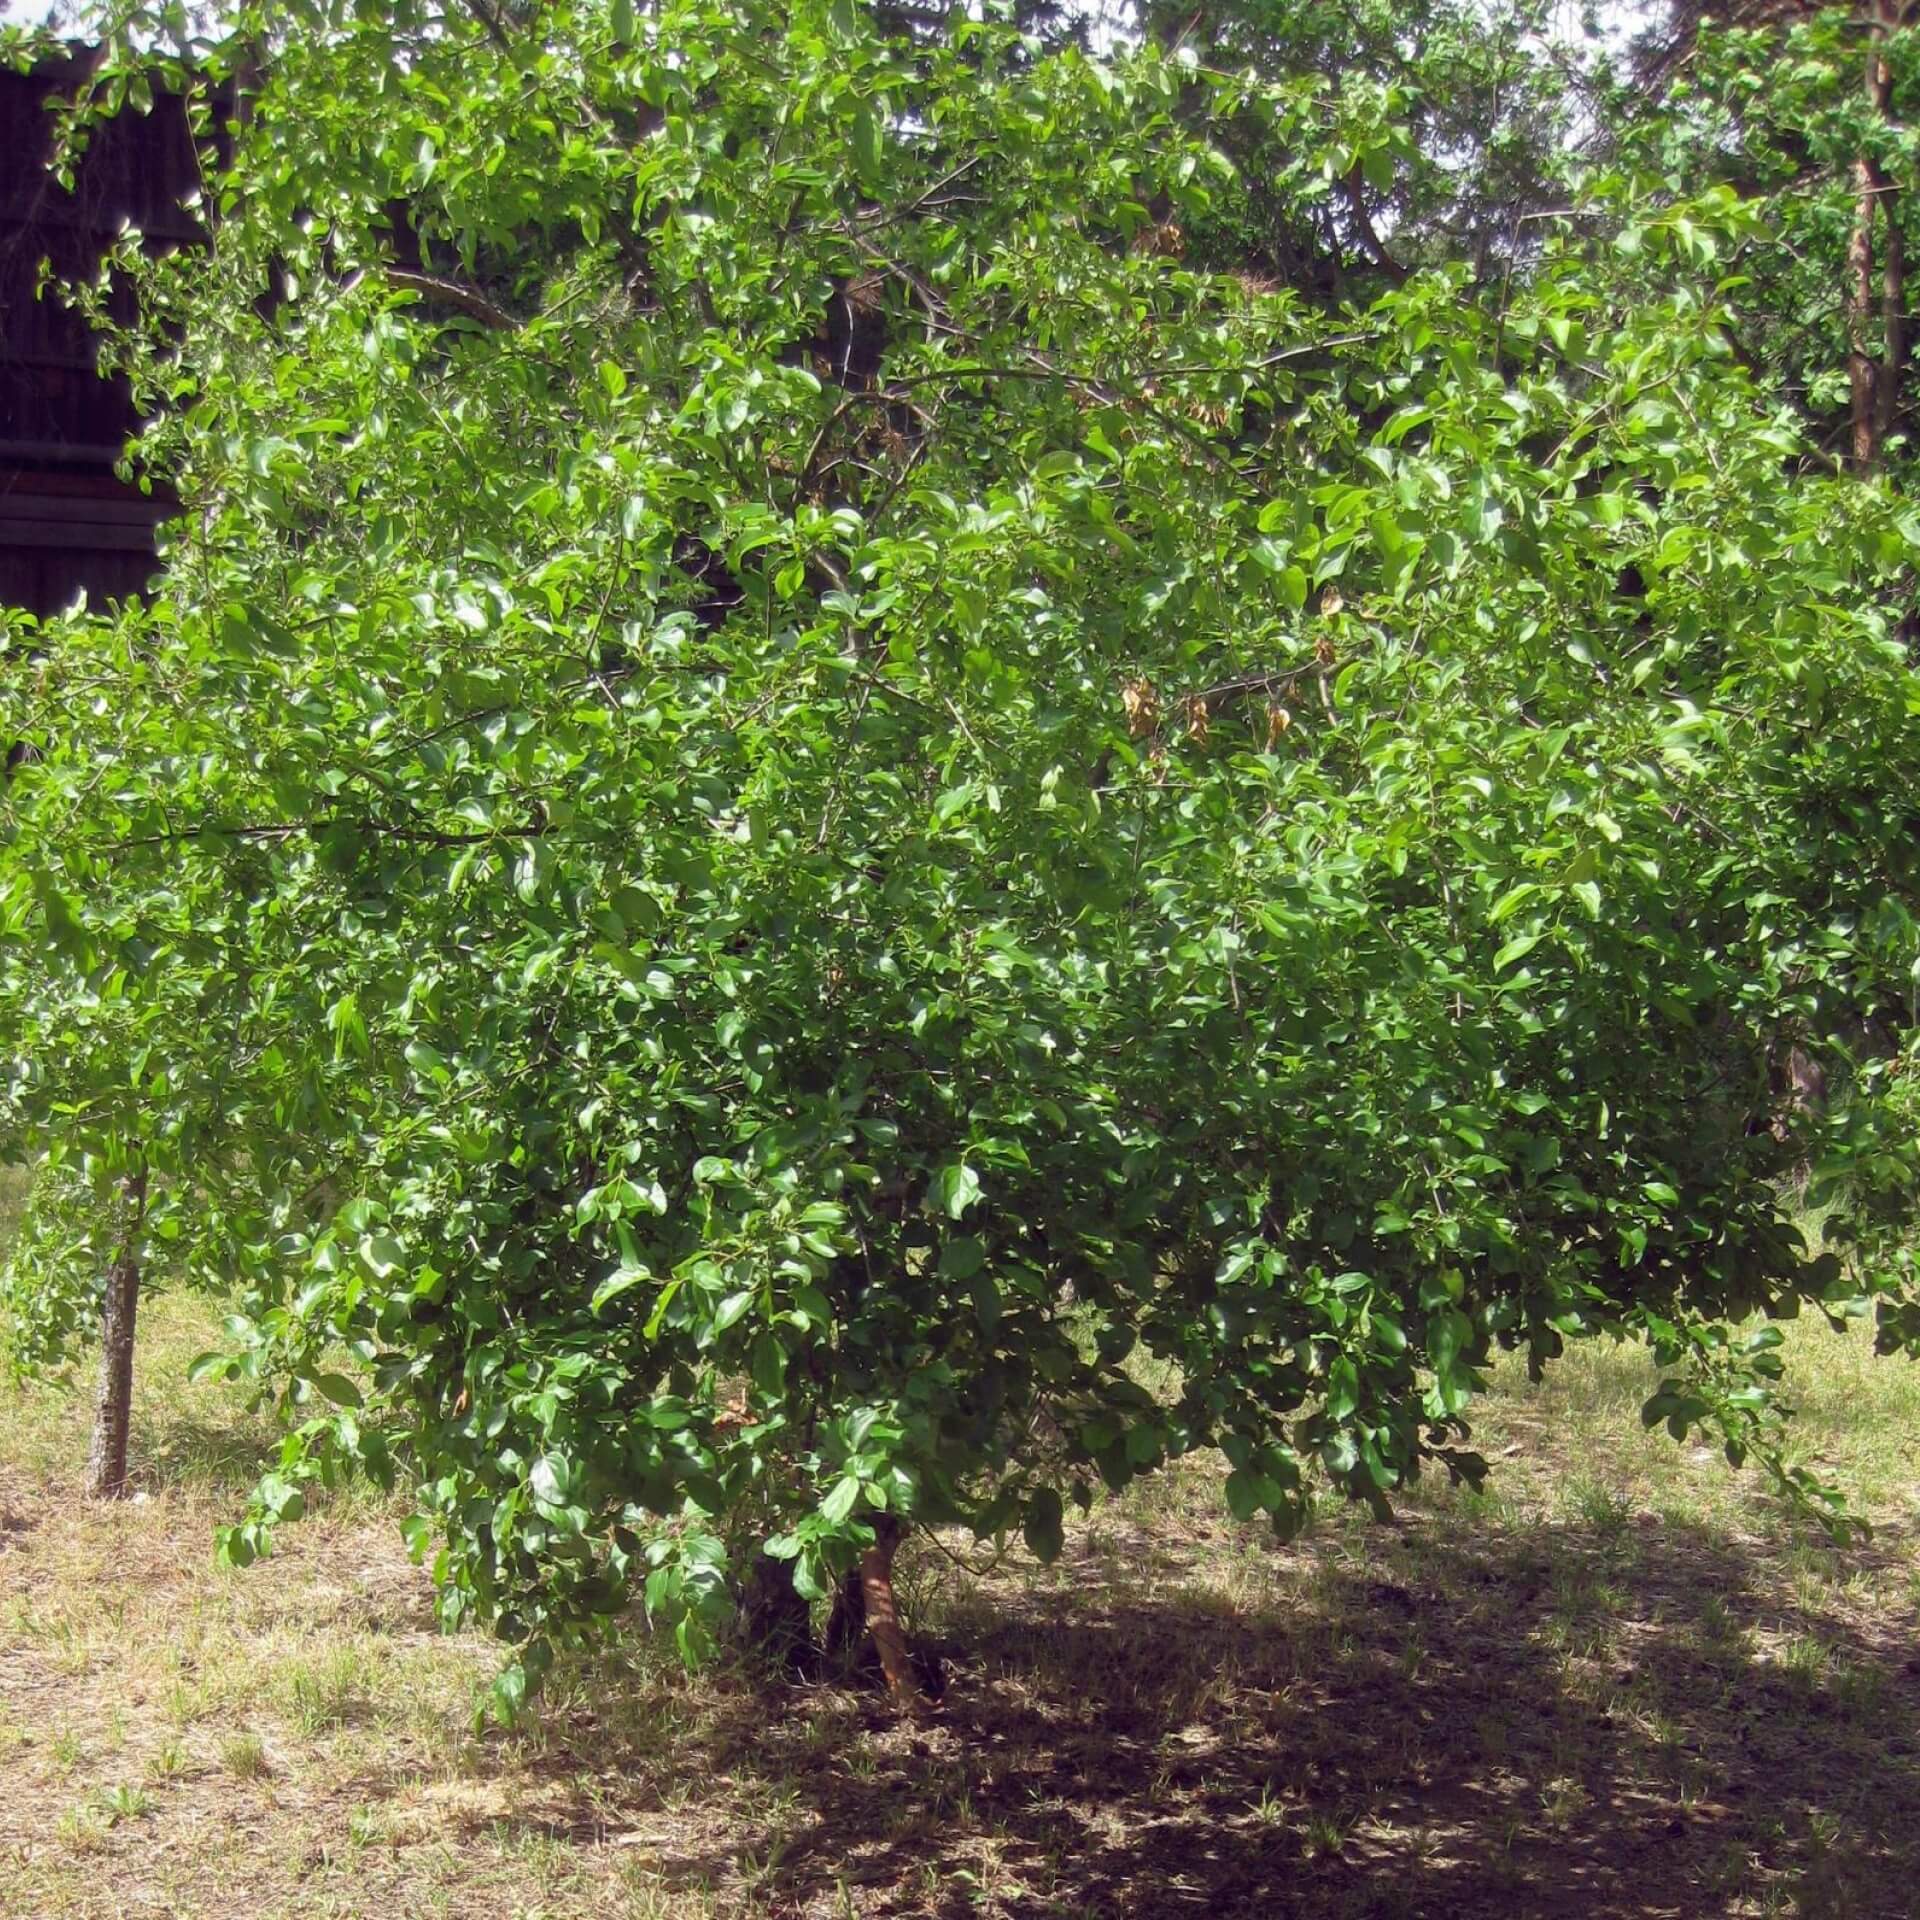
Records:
x=327, y=1690
x=82, y=1829
x=244, y=1755
x=124, y=1802
x=1597, y=1507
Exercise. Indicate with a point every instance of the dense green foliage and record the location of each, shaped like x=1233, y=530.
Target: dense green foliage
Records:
x=1776, y=108
x=794, y=790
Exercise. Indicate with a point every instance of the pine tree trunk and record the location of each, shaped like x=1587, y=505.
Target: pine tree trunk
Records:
x=113, y=1410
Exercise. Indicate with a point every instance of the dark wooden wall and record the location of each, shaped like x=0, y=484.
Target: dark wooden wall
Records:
x=66, y=523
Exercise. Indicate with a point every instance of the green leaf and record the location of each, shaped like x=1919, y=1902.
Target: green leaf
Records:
x=866, y=145
x=1043, y=1528
x=1448, y=1335
x=962, y=1256
x=550, y=1478
x=1248, y=1492
x=1516, y=948
x=987, y=1303
x=768, y=1362
x=734, y=1308
x=620, y=1281
x=1343, y=1389
x=427, y=1062
x=508, y=1695
x=382, y=1255
x=955, y=1188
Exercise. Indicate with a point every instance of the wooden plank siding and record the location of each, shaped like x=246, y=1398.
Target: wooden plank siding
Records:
x=67, y=524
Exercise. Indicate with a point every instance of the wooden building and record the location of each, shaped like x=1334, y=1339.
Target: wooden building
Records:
x=67, y=524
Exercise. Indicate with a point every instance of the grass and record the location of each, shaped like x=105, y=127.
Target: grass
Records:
x=1618, y=1683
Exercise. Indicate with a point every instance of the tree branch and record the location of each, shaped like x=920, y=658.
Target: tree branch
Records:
x=1370, y=242
x=487, y=18
x=379, y=829
x=474, y=304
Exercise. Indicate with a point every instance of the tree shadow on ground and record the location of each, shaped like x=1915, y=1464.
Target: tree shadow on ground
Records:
x=1605, y=1719
x=170, y=1449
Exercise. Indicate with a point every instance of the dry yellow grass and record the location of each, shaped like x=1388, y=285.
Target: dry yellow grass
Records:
x=1618, y=1684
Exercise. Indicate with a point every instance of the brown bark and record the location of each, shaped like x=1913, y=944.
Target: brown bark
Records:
x=1862, y=372
x=883, y=1622
x=846, y=1619
x=865, y=1605
x=468, y=300
x=1874, y=381
x=1893, y=341
x=113, y=1409
x=1886, y=400
x=1369, y=235
x=865, y=1601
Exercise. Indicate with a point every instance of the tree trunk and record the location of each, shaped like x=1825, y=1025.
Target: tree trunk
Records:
x=113, y=1410
x=1893, y=292
x=1862, y=371
x=865, y=1603
x=1874, y=381
x=846, y=1619
x=883, y=1619
x=1893, y=319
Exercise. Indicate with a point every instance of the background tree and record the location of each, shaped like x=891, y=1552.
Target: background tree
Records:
x=146, y=1080
x=1441, y=132
x=1809, y=108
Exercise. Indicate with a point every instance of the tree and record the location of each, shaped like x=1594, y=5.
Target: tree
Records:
x=137, y=1052
x=1810, y=107
x=849, y=793
x=1443, y=131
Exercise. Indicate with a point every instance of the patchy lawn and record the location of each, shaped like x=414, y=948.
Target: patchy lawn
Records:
x=1620, y=1684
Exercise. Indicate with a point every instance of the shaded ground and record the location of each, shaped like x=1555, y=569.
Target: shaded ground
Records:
x=1622, y=1688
